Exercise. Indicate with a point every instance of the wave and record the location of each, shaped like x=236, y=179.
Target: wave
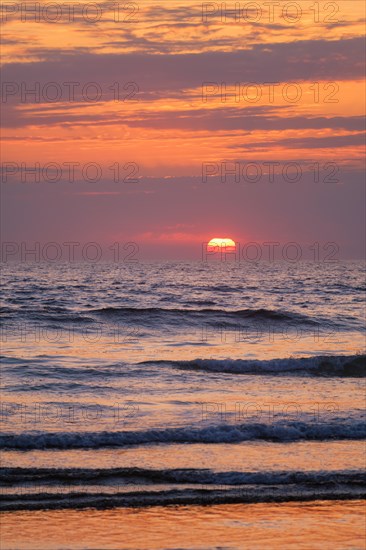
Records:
x=22, y=321
x=77, y=476
x=212, y=313
x=352, y=366
x=282, y=432
x=201, y=317
x=344, y=366
x=187, y=496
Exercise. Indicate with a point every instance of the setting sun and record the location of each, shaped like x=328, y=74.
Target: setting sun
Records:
x=216, y=242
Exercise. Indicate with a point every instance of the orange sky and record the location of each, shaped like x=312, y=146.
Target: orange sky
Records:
x=171, y=65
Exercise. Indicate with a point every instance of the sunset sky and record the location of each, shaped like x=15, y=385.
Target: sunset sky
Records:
x=154, y=105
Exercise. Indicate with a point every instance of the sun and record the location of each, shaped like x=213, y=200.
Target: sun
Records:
x=219, y=242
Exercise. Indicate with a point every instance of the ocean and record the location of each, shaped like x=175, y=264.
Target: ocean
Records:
x=183, y=405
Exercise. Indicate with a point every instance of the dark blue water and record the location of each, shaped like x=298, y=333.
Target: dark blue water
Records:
x=173, y=382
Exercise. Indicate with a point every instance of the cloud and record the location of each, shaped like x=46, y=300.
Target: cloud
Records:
x=278, y=62
x=347, y=140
